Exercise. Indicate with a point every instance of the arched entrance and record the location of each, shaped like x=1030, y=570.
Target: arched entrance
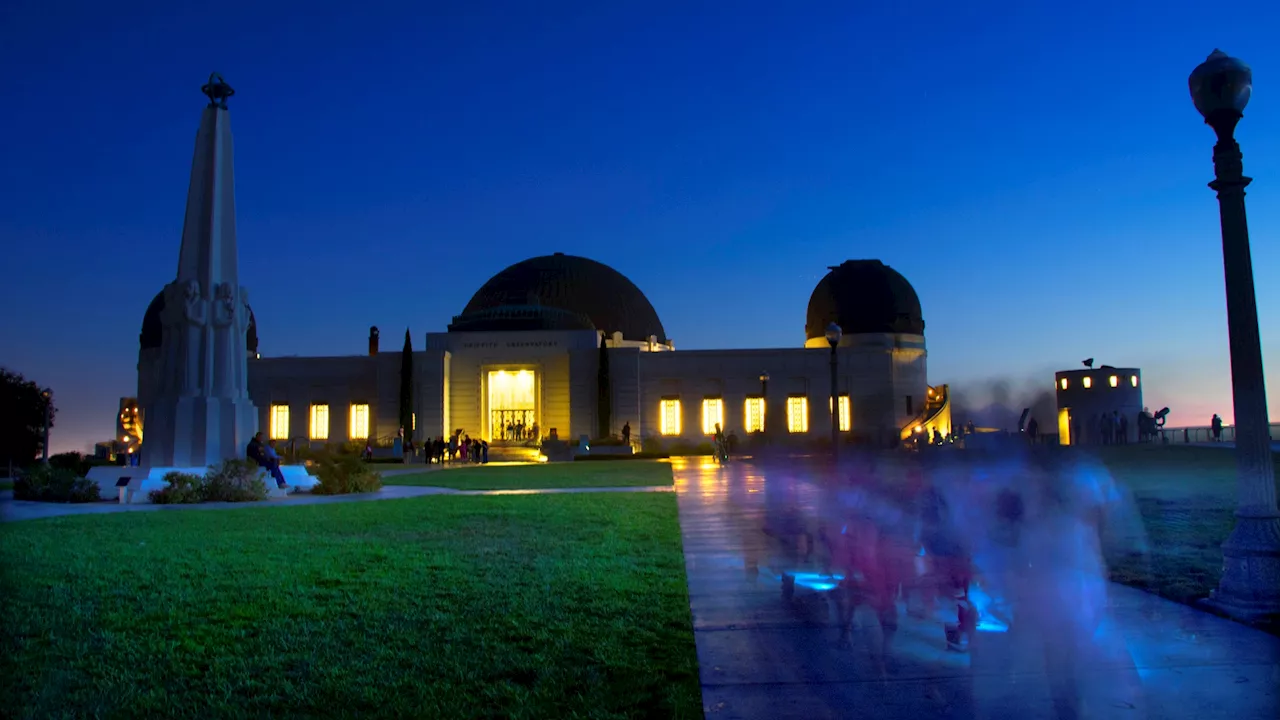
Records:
x=512, y=405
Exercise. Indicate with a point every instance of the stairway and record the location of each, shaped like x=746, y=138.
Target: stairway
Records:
x=513, y=454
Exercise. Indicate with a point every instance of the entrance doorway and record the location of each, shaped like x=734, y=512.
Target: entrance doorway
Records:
x=513, y=405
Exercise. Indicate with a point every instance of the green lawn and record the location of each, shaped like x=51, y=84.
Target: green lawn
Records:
x=566, y=606
x=6, y=484
x=1186, y=497
x=620, y=473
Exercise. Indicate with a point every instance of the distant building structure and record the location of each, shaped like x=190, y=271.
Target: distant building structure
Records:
x=1086, y=396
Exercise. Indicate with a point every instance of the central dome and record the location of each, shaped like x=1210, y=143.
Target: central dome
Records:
x=576, y=285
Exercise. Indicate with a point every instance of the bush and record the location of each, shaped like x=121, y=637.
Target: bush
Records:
x=45, y=483
x=72, y=461
x=183, y=488
x=233, y=481
x=344, y=474
x=651, y=445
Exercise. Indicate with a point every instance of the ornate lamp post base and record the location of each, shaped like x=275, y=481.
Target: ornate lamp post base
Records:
x=1250, y=587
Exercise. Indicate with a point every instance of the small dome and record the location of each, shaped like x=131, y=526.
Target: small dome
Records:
x=153, y=327
x=864, y=296
x=592, y=294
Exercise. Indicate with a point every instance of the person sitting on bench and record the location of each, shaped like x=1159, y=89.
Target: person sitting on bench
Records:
x=266, y=458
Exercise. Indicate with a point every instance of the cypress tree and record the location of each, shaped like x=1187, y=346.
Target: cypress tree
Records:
x=604, y=398
x=406, y=387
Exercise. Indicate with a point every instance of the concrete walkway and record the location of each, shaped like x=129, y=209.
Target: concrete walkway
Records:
x=762, y=657
x=14, y=510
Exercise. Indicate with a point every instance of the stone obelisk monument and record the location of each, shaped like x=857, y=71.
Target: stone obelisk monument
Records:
x=201, y=413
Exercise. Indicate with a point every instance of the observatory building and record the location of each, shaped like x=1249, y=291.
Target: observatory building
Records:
x=554, y=345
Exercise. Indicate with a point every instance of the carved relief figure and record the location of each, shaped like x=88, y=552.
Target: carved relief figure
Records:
x=244, y=309
x=191, y=301
x=224, y=305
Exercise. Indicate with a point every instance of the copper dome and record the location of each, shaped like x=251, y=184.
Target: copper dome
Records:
x=579, y=286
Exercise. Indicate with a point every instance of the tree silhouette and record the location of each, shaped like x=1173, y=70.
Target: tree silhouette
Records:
x=406, y=387
x=22, y=420
x=604, y=396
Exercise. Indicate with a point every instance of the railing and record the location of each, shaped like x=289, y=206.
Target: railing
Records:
x=939, y=402
x=1203, y=434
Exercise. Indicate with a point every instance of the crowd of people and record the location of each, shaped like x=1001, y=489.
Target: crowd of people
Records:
x=459, y=446
x=1011, y=543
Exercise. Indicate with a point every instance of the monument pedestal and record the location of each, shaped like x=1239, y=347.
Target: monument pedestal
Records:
x=196, y=431
x=133, y=485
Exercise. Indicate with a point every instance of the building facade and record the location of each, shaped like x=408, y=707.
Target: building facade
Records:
x=564, y=347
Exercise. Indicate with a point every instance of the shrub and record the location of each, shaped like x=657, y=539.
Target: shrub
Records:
x=651, y=444
x=183, y=488
x=235, y=480
x=73, y=461
x=343, y=474
x=45, y=483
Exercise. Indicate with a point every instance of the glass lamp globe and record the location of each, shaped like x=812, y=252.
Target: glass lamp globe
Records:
x=833, y=334
x=1220, y=83
x=764, y=377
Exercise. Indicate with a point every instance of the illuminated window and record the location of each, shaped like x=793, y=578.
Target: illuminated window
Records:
x=413, y=421
x=1133, y=380
x=712, y=415
x=1063, y=382
x=359, y=421
x=1115, y=381
x=279, y=422
x=669, y=416
x=845, y=417
x=798, y=414
x=753, y=414
x=1087, y=382
x=319, y=422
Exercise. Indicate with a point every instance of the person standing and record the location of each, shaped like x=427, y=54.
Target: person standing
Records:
x=1216, y=424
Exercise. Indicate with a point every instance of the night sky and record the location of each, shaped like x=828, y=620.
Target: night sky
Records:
x=1035, y=168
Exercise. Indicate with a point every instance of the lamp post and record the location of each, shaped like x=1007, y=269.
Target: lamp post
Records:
x=47, y=394
x=833, y=339
x=1250, y=584
x=764, y=403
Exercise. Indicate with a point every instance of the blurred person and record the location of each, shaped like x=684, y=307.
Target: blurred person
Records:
x=875, y=553
x=792, y=544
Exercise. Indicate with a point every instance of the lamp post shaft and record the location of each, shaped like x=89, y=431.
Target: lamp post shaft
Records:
x=835, y=407
x=764, y=410
x=1250, y=584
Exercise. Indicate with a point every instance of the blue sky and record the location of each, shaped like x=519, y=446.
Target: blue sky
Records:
x=1036, y=169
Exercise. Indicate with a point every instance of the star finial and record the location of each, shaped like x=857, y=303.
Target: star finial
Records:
x=218, y=91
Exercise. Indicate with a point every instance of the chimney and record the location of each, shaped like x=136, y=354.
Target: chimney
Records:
x=373, y=341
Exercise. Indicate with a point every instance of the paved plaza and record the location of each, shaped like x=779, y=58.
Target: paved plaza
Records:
x=762, y=657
